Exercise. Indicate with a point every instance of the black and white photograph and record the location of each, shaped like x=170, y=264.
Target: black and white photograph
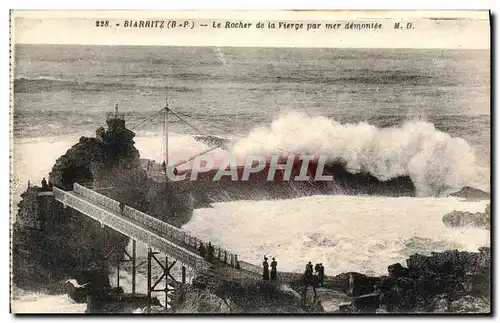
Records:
x=273, y=162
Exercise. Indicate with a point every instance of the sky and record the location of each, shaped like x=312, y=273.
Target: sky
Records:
x=429, y=29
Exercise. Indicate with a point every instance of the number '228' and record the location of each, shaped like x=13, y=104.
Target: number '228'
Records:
x=102, y=23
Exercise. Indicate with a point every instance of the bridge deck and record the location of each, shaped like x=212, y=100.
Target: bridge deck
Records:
x=131, y=228
x=159, y=235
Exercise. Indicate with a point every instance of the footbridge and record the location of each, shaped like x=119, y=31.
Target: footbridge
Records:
x=160, y=237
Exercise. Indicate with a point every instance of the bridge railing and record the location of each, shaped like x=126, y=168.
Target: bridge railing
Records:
x=96, y=197
x=165, y=229
x=139, y=233
x=183, y=237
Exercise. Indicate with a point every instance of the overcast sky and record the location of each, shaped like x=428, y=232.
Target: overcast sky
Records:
x=429, y=29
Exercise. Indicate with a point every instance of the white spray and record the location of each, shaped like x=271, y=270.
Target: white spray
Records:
x=435, y=161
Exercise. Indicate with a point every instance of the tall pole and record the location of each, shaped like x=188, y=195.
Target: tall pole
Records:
x=133, y=266
x=166, y=135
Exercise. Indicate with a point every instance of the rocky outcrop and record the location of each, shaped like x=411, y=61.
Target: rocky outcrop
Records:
x=352, y=283
x=472, y=194
x=52, y=243
x=433, y=283
x=210, y=293
x=464, y=219
x=448, y=282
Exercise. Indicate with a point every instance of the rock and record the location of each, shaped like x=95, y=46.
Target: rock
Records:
x=77, y=294
x=463, y=219
x=352, y=283
x=397, y=270
x=52, y=243
x=471, y=193
x=112, y=301
x=441, y=303
x=450, y=274
x=471, y=304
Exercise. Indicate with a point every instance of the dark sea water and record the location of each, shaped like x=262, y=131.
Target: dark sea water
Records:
x=62, y=90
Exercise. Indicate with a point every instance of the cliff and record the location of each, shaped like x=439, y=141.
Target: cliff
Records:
x=52, y=243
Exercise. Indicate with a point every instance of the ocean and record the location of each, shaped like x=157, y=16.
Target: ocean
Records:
x=417, y=112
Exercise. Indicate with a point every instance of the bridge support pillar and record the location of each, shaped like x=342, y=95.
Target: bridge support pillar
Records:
x=122, y=258
x=166, y=277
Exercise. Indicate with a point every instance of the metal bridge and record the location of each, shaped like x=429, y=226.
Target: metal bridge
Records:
x=160, y=237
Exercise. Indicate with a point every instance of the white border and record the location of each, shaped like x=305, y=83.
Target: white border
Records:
x=188, y=4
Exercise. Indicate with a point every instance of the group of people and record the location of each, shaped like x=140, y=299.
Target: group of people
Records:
x=208, y=252
x=274, y=271
x=315, y=278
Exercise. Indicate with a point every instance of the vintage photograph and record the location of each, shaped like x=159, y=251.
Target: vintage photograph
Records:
x=274, y=162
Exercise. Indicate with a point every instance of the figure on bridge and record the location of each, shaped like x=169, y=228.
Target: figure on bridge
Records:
x=274, y=271
x=202, y=250
x=265, y=274
x=122, y=207
x=210, y=252
x=44, y=184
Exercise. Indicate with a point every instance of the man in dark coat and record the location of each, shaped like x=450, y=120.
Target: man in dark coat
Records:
x=321, y=274
x=44, y=184
x=265, y=265
x=308, y=274
x=274, y=271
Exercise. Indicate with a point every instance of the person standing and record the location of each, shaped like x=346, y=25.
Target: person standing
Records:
x=265, y=265
x=274, y=271
x=308, y=274
x=321, y=274
x=44, y=184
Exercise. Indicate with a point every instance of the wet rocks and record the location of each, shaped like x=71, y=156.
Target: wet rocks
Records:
x=433, y=283
x=352, y=283
x=470, y=304
x=471, y=193
x=468, y=219
x=444, y=282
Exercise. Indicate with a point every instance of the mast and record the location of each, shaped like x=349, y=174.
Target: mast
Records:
x=166, y=135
